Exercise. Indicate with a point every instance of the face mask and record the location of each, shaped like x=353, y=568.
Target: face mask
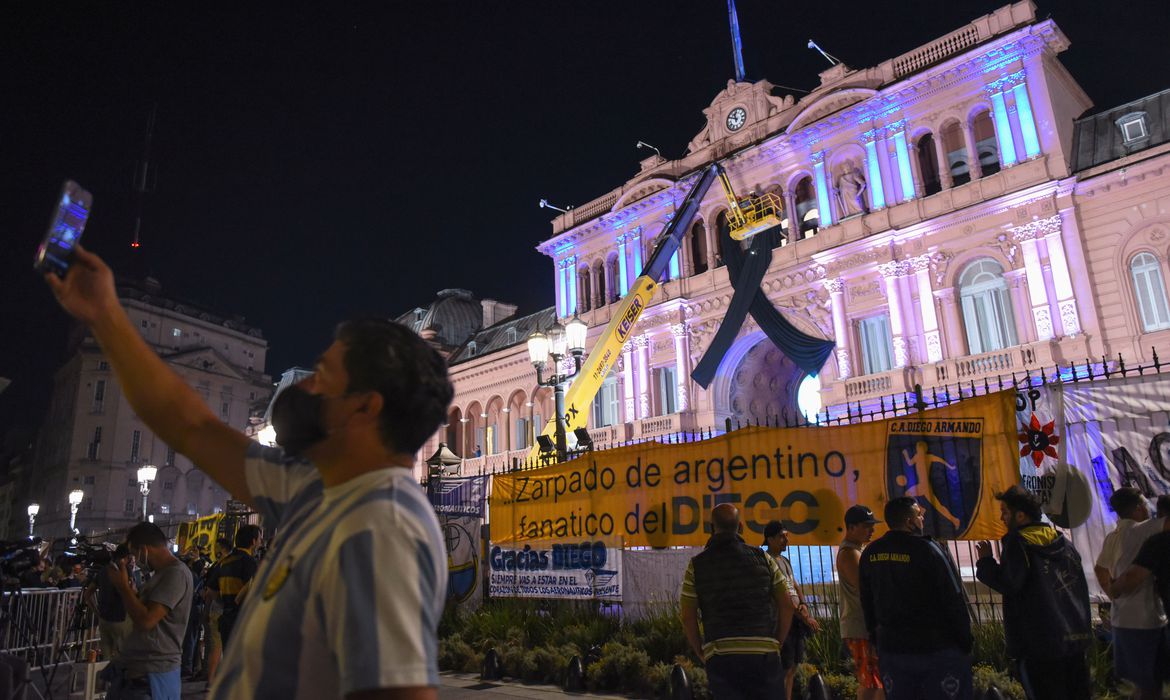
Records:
x=297, y=417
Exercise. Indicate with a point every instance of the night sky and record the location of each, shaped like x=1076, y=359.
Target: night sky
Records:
x=319, y=162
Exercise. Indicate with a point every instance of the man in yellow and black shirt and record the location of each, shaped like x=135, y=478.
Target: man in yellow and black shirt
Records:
x=231, y=576
x=742, y=597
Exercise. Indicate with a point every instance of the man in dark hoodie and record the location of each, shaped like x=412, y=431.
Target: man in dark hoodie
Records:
x=915, y=610
x=1045, y=600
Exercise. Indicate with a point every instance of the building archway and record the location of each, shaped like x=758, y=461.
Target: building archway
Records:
x=756, y=382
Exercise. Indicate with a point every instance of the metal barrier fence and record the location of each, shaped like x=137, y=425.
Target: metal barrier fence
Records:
x=45, y=627
x=815, y=569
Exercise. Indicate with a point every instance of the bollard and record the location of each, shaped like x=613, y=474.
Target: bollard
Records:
x=817, y=690
x=992, y=693
x=680, y=685
x=491, y=670
x=575, y=676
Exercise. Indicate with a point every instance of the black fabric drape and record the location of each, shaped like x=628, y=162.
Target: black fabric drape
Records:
x=746, y=271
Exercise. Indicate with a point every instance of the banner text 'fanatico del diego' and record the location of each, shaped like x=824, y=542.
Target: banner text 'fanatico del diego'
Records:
x=952, y=459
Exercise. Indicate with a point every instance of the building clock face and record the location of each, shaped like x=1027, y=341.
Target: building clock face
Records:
x=736, y=118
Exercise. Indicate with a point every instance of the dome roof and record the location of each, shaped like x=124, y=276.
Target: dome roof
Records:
x=454, y=316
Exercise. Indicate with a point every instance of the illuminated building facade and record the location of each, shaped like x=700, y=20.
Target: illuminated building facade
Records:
x=93, y=440
x=948, y=222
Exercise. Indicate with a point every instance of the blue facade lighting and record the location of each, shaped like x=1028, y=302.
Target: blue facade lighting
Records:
x=824, y=212
x=572, y=270
x=1003, y=130
x=623, y=278
x=674, y=265
x=1027, y=121
x=877, y=194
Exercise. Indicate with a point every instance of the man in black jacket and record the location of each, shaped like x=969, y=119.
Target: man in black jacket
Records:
x=743, y=599
x=1045, y=600
x=915, y=610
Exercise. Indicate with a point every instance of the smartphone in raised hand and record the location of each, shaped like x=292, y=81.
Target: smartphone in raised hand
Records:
x=55, y=253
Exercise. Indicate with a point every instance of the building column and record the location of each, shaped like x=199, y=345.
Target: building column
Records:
x=1017, y=281
x=682, y=355
x=635, y=239
x=642, y=351
x=1026, y=236
x=836, y=289
x=623, y=283
x=973, y=163
x=627, y=361
x=821, y=182
x=905, y=171
x=506, y=442
x=916, y=172
x=955, y=343
x=926, y=305
x=571, y=265
x=877, y=194
x=944, y=167
x=562, y=288
x=1027, y=120
x=1003, y=125
x=892, y=271
x=1066, y=302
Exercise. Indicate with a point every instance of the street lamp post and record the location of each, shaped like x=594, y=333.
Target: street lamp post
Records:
x=559, y=342
x=33, y=509
x=146, y=475
x=76, y=496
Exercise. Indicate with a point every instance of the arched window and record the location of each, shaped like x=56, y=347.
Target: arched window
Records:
x=698, y=238
x=987, y=308
x=599, y=279
x=956, y=150
x=983, y=130
x=928, y=165
x=806, y=207
x=584, y=298
x=1150, y=291
x=778, y=234
x=722, y=228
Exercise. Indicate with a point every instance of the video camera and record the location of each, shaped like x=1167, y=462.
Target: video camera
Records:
x=92, y=556
x=18, y=556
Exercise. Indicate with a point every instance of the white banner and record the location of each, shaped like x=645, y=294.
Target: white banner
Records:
x=1081, y=441
x=560, y=569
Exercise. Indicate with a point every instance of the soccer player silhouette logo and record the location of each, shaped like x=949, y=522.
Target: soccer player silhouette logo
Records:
x=940, y=471
x=917, y=482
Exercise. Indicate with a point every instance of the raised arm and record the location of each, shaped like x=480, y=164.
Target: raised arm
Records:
x=172, y=409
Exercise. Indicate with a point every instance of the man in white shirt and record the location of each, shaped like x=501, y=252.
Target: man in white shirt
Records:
x=1137, y=619
x=348, y=602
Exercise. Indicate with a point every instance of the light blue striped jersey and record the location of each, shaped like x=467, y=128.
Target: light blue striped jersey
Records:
x=349, y=596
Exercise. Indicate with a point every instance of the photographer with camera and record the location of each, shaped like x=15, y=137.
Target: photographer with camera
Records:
x=101, y=596
x=148, y=666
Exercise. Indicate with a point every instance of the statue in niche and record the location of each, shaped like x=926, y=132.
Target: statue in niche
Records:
x=851, y=192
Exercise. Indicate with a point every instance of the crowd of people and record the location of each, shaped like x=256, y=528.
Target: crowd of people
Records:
x=904, y=611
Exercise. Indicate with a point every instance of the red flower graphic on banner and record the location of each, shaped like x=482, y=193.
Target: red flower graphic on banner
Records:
x=1038, y=440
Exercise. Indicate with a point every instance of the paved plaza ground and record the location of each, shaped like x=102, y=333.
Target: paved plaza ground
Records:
x=463, y=686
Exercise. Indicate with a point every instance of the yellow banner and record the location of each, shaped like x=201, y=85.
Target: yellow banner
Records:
x=579, y=395
x=200, y=533
x=953, y=460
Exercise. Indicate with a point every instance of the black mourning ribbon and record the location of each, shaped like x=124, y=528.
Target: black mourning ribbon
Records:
x=745, y=270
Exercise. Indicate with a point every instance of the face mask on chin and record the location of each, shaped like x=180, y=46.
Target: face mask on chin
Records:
x=298, y=417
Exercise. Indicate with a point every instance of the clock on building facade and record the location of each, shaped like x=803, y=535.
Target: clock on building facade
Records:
x=736, y=118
